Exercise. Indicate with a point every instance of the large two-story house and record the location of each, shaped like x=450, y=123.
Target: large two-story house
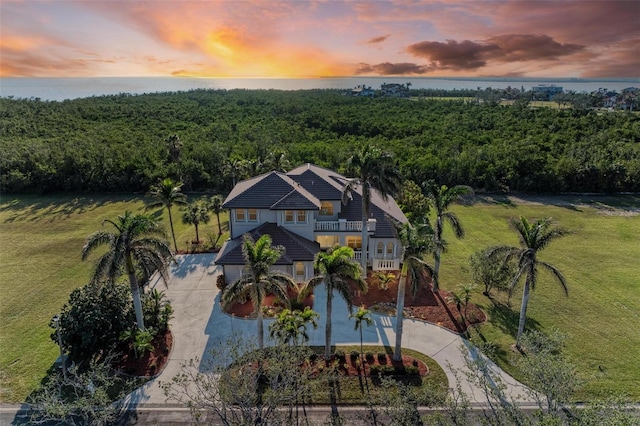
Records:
x=303, y=212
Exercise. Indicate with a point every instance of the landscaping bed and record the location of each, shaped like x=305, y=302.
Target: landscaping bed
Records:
x=151, y=363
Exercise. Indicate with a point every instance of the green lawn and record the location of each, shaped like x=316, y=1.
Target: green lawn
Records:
x=601, y=261
x=42, y=238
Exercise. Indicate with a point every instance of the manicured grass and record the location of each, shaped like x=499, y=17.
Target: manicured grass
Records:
x=42, y=238
x=352, y=390
x=600, y=259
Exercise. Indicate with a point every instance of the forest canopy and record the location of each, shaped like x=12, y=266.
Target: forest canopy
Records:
x=211, y=138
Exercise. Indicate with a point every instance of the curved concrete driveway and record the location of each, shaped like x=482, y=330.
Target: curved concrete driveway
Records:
x=199, y=325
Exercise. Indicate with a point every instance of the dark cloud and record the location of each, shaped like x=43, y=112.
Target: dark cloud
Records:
x=527, y=47
x=387, y=68
x=470, y=55
x=466, y=55
x=379, y=39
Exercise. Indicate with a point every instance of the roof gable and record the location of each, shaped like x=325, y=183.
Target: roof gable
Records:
x=269, y=190
x=297, y=248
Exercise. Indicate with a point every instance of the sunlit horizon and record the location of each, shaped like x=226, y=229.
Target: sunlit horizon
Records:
x=308, y=39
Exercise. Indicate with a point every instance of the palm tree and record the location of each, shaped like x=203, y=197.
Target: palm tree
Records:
x=215, y=206
x=195, y=214
x=139, y=242
x=167, y=193
x=362, y=316
x=533, y=238
x=374, y=169
x=259, y=256
x=336, y=268
x=290, y=327
x=441, y=197
x=417, y=242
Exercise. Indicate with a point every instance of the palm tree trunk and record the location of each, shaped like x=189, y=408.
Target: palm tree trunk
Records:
x=173, y=233
x=327, y=330
x=135, y=293
x=365, y=234
x=523, y=311
x=219, y=226
x=260, y=328
x=197, y=235
x=436, y=268
x=397, y=353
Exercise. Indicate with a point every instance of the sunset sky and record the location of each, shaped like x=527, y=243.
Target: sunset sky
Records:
x=265, y=38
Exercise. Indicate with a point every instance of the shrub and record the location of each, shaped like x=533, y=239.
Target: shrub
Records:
x=369, y=357
x=382, y=357
x=157, y=311
x=93, y=319
x=340, y=355
x=221, y=282
x=354, y=355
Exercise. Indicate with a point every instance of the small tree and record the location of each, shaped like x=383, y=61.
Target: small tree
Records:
x=215, y=206
x=195, y=214
x=362, y=316
x=88, y=395
x=228, y=386
x=491, y=271
x=462, y=298
x=168, y=193
x=93, y=319
x=290, y=327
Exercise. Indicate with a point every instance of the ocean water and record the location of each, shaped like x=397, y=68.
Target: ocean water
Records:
x=59, y=89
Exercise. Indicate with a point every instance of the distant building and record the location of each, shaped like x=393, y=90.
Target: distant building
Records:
x=362, y=91
x=545, y=91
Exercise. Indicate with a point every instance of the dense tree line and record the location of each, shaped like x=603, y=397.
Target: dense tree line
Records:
x=209, y=138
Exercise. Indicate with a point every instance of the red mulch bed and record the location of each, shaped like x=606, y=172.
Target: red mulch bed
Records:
x=350, y=368
x=245, y=310
x=148, y=365
x=427, y=305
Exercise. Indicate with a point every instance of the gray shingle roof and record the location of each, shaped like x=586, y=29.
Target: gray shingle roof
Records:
x=297, y=248
x=323, y=183
x=269, y=190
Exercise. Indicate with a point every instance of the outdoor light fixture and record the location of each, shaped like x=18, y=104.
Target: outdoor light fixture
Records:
x=56, y=321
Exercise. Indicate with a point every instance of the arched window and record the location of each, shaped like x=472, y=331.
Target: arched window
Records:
x=380, y=250
x=390, y=248
x=300, y=269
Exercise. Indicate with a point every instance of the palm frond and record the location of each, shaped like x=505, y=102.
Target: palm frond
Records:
x=559, y=276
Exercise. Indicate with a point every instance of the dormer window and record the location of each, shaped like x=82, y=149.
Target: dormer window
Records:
x=253, y=215
x=326, y=208
x=240, y=216
x=301, y=216
x=288, y=216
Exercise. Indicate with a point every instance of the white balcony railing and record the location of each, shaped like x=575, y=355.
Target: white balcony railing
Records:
x=345, y=225
x=386, y=264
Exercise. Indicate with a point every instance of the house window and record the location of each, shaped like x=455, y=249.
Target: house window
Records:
x=240, y=217
x=380, y=250
x=300, y=272
x=301, y=216
x=390, y=248
x=253, y=215
x=288, y=216
x=326, y=208
x=354, y=242
x=327, y=241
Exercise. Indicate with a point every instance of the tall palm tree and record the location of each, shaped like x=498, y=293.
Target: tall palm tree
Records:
x=168, y=193
x=195, y=214
x=215, y=206
x=259, y=256
x=533, y=238
x=336, y=268
x=441, y=197
x=374, y=170
x=137, y=242
x=417, y=242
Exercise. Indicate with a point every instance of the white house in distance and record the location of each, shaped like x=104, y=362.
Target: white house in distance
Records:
x=302, y=211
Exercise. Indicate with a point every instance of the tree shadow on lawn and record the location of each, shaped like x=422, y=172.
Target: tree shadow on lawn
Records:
x=33, y=208
x=506, y=319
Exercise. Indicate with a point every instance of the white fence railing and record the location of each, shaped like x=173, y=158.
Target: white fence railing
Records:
x=344, y=225
x=386, y=264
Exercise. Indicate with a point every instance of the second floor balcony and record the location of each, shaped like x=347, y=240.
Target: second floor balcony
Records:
x=343, y=225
